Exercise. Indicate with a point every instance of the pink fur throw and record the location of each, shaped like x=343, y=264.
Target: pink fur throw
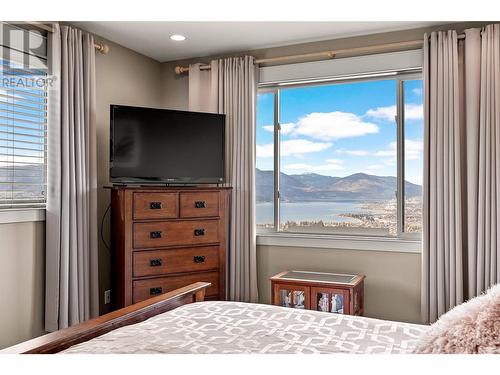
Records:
x=472, y=327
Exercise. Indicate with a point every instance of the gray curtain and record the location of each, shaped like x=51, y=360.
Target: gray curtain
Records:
x=482, y=99
x=71, y=219
x=460, y=256
x=229, y=87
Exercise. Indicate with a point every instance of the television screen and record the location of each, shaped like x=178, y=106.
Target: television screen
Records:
x=166, y=146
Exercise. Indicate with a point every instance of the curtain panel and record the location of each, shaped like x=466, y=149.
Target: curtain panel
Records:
x=461, y=244
x=230, y=87
x=71, y=214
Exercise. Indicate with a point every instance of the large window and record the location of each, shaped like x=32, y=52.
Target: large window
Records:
x=341, y=158
x=23, y=120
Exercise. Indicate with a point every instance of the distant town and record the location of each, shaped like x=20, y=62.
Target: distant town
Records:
x=375, y=204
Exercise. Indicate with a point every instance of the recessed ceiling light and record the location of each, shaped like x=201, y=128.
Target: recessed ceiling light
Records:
x=177, y=37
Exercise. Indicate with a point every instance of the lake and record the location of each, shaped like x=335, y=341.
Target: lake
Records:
x=309, y=211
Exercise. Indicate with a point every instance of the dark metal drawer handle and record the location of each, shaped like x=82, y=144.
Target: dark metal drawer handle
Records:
x=199, y=259
x=155, y=205
x=155, y=291
x=200, y=204
x=155, y=262
x=199, y=232
x=156, y=234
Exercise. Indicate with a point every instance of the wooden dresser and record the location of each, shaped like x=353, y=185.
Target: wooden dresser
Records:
x=167, y=238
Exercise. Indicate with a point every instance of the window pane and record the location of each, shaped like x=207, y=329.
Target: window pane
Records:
x=23, y=105
x=338, y=158
x=414, y=135
x=264, y=174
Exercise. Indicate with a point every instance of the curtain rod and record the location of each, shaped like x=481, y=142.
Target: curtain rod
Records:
x=281, y=60
x=99, y=46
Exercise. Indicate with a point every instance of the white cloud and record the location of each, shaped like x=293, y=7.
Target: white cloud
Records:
x=292, y=147
x=285, y=128
x=412, y=112
x=353, y=152
x=413, y=149
x=333, y=125
x=330, y=166
x=389, y=152
x=376, y=167
x=295, y=147
x=417, y=91
x=288, y=128
x=382, y=113
x=265, y=151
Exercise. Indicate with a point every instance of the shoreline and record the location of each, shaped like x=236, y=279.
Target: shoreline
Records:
x=373, y=216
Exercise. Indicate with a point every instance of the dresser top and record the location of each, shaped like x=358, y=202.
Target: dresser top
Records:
x=318, y=277
x=163, y=187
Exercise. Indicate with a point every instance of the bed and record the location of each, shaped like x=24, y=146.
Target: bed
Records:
x=181, y=322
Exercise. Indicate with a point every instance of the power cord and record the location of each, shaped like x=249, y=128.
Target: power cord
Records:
x=108, y=247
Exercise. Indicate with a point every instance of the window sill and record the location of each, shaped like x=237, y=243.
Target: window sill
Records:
x=340, y=242
x=22, y=215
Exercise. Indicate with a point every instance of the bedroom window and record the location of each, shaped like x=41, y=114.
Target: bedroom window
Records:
x=23, y=118
x=341, y=158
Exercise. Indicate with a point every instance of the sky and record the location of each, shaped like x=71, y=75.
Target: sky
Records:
x=341, y=129
x=22, y=104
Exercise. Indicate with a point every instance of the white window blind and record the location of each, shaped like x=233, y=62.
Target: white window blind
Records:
x=23, y=118
x=342, y=67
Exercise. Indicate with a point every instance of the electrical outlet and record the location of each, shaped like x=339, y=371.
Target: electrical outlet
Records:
x=107, y=297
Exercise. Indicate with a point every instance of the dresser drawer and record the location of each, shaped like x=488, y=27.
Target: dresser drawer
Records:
x=174, y=233
x=199, y=204
x=155, y=206
x=144, y=289
x=160, y=262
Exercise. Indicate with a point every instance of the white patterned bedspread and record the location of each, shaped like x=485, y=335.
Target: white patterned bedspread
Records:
x=233, y=327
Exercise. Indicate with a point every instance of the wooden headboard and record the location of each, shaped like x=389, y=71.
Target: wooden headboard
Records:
x=60, y=340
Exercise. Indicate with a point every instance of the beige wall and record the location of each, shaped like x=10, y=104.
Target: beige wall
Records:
x=392, y=285
x=123, y=77
x=22, y=277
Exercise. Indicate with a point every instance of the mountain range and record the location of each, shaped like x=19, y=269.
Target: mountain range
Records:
x=25, y=181
x=315, y=187
x=306, y=187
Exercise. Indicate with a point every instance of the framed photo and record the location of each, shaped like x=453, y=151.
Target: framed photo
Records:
x=337, y=303
x=322, y=302
x=298, y=299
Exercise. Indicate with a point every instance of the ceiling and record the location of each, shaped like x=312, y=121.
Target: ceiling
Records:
x=213, y=38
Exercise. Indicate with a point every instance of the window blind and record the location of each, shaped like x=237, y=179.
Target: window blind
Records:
x=342, y=67
x=23, y=119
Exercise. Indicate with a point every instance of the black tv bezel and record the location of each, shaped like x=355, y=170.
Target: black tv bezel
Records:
x=134, y=180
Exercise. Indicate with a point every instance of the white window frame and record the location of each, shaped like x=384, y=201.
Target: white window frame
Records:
x=403, y=242
x=13, y=215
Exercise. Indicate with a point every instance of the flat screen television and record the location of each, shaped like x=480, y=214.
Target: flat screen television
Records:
x=156, y=146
